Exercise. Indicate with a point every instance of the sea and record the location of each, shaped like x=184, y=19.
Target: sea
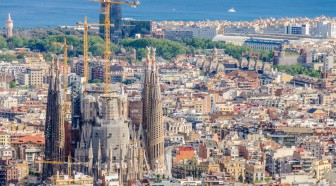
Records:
x=53, y=13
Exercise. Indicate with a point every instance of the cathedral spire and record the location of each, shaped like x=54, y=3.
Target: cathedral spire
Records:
x=58, y=79
x=52, y=70
x=153, y=115
x=129, y=162
x=54, y=126
x=51, y=75
x=98, y=162
x=99, y=152
x=82, y=142
x=148, y=55
x=110, y=160
x=153, y=59
x=90, y=166
x=121, y=167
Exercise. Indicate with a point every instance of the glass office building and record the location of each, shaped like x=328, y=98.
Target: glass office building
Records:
x=123, y=28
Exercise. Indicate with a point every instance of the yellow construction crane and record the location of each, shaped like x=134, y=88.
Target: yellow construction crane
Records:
x=86, y=26
x=65, y=60
x=65, y=67
x=107, y=36
x=65, y=74
x=68, y=163
x=85, y=51
x=69, y=180
x=59, y=163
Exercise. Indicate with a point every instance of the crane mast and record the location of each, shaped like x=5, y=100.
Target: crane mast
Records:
x=65, y=66
x=86, y=48
x=107, y=37
x=107, y=47
x=85, y=51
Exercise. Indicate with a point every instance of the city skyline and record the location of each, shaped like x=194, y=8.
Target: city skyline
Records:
x=233, y=99
x=69, y=13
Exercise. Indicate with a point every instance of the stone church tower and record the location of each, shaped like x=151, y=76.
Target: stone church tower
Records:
x=152, y=115
x=108, y=141
x=54, y=126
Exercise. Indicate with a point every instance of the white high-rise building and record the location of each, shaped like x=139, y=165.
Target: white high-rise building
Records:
x=326, y=29
x=298, y=29
x=9, y=27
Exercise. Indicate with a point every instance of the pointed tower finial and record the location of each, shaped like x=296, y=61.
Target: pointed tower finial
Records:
x=153, y=55
x=90, y=166
x=82, y=143
x=111, y=153
x=9, y=27
x=90, y=158
x=51, y=72
x=58, y=74
x=91, y=147
x=121, y=173
x=148, y=55
x=57, y=65
x=110, y=159
x=121, y=156
x=99, y=152
x=9, y=17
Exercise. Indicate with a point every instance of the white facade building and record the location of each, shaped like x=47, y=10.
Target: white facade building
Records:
x=187, y=32
x=239, y=30
x=274, y=30
x=326, y=29
x=8, y=102
x=328, y=62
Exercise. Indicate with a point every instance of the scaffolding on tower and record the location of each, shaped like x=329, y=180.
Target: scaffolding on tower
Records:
x=107, y=37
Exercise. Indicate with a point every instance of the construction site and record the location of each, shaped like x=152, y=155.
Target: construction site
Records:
x=89, y=137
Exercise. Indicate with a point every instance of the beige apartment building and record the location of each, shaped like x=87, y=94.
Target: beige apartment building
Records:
x=321, y=169
x=5, y=139
x=32, y=76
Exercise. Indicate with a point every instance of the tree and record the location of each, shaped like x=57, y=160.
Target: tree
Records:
x=16, y=42
x=164, y=48
x=32, y=86
x=3, y=42
x=95, y=81
x=298, y=69
x=7, y=57
x=200, y=43
x=235, y=51
x=48, y=56
x=158, y=178
x=12, y=84
x=240, y=178
x=36, y=44
x=128, y=82
x=97, y=49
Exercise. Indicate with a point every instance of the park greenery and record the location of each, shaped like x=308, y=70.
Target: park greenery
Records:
x=298, y=69
x=165, y=48
x=95, y=81
x=51, y=42
x=198, y=44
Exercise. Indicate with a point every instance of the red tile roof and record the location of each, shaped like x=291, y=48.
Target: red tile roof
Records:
x=33, y=139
